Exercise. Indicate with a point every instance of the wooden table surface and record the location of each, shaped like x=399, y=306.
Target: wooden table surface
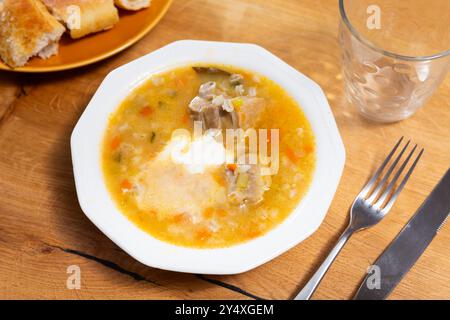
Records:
x=43, y=230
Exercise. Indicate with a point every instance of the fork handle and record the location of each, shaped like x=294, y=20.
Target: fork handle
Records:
x=312, y=284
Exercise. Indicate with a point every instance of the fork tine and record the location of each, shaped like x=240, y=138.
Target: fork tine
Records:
x=394, y=197
x=390, y=186
x=387, y=175
x=375, y=177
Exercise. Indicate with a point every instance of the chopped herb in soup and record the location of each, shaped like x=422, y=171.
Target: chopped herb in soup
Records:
x=210, y=203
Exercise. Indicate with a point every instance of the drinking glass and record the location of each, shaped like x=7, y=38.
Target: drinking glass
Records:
x=394, y=54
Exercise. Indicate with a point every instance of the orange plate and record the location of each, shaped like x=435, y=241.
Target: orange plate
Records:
x=76, y=53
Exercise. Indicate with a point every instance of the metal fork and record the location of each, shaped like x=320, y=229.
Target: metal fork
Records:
x=370, y=206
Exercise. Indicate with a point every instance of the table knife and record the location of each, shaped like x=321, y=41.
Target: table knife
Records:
x=409, y=244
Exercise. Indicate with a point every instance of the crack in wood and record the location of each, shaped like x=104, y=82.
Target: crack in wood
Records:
x=228, y=286
x=107, y=263
x=21, y=92
x=8, y=112
x=114, y=266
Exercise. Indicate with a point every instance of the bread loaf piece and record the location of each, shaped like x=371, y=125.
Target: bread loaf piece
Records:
x=83, y=17
x=27, y=29
x=133, y=4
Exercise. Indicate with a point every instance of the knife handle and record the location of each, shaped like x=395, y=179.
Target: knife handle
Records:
x=312, y=284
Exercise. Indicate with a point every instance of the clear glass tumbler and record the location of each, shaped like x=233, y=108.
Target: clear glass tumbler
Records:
x=395, y=54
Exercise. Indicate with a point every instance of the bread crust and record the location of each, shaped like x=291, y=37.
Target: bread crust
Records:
x=133, y=4
x=26, y=29
x=83, y=17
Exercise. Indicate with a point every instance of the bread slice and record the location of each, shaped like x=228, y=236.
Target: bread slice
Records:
x=83, y=17
x=27, y=30
x=133, y=4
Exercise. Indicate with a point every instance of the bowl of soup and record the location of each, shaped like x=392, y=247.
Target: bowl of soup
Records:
x=207, y=157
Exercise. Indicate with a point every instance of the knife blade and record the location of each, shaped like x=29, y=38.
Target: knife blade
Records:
x=408, y=246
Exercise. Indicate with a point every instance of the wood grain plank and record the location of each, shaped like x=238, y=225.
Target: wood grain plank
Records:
x=43, y=230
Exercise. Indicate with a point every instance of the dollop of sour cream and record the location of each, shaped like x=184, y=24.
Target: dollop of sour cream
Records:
x=197, y=155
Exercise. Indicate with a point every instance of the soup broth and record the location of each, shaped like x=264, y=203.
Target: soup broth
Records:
x=215, y=204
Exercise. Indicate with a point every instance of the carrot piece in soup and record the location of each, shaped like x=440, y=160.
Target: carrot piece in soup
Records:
x=126, y=185
x=179, y=218
x=115, y=142
x=146, y=111
x=152, y=214
x=292, y=155
x=185, y=118
x=221, y=213
x=308, y=148
x=232, y=167
x=269, y=137
x=181, y=82
x=253, y=232
x=208, y=213
x=203, y=234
